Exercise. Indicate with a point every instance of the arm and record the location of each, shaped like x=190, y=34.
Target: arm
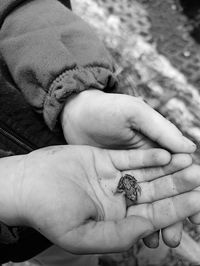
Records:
x=51, y=53
x=11, y=171
x=7, y=6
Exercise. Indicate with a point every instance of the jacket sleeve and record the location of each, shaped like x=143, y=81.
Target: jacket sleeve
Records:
x=51, y=53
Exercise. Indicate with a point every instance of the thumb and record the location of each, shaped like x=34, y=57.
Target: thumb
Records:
x=106, y=236
x=158, y=129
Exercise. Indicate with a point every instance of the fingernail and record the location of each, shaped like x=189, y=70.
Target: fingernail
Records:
x=190, y=144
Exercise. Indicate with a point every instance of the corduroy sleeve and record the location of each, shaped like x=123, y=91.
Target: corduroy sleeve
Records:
x=51, y=53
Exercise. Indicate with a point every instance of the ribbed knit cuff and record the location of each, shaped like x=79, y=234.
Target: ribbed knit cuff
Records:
x=75, y=81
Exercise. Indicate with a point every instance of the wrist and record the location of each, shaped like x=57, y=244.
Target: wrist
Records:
x=11, y=176
x=77, y=111
x=75, y=100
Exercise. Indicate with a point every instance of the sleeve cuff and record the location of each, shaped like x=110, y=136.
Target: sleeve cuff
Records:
x=75, y=81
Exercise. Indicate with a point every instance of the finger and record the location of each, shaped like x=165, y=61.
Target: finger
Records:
x=168, y=211
x=195, y=219
x=131, y=159
x=105, y=237
x=152, y=240
x=178, y=162
x=115, y=236
x=170, y=185
x=157, y=128
x=172, y=234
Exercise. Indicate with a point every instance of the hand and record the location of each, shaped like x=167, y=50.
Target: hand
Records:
x=68, y=194
x=118, y=121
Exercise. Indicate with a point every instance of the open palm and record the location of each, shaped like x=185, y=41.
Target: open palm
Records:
x=68, y=194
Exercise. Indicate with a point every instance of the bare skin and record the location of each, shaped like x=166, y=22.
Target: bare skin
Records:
x=119, y=121
x=123, y=122
x=79, y=212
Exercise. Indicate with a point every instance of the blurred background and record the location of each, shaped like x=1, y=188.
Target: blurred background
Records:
x=156, y=48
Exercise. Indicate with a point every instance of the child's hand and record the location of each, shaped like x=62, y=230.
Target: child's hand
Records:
x=68, y=194
x=118, y=121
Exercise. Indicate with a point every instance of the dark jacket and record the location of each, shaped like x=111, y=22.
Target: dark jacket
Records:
x=46, y=54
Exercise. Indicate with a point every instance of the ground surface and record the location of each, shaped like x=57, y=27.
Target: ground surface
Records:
x=156, y=50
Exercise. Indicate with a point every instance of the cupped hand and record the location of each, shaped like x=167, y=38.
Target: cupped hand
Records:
x=119, y=121
x=68, y=193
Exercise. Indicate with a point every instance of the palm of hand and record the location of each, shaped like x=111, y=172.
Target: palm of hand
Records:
x=75, y=184
x=78, y=183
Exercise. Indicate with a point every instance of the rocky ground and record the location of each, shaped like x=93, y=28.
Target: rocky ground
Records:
x=155, y=45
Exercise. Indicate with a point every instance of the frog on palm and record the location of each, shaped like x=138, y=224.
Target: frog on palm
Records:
x=129, y=186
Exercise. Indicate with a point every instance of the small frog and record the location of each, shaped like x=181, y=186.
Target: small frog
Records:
x=129, y=186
